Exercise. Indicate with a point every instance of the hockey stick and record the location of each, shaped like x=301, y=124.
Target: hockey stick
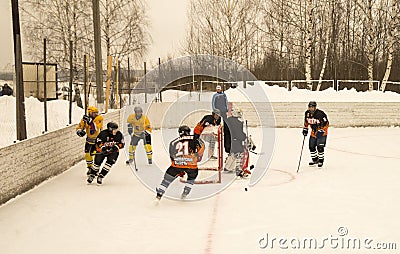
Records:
x=302, y=146
x=251, y=151
x=134, y=163
x=134, y=157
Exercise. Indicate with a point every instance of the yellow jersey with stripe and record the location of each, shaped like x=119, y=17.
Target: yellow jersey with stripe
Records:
x=138, y=126
x=93, y=129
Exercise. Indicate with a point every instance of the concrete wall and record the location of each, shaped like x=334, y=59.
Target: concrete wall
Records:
x=278, y=114
x=30, y=162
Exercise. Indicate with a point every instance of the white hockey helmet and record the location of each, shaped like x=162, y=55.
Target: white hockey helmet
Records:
x=236, y=112
x=138, y=110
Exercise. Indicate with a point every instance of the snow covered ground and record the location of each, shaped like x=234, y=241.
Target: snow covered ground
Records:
x=356, y=190
x=57, y=117
x=280, y=94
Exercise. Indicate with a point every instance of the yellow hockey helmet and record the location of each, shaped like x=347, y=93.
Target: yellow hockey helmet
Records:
x=92, y=109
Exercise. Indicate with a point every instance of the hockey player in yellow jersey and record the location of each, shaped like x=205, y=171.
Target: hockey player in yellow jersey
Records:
x=139, y=128
x=90, y=125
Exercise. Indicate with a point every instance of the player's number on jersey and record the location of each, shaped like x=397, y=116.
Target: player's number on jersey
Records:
x=182, y=148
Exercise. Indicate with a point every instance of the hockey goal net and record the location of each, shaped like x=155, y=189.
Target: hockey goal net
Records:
x=211, y=165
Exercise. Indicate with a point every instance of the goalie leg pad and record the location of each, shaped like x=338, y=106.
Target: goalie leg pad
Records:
x=230, y=162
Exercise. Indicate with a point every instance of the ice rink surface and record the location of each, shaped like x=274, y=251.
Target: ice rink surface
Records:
x=354, y=197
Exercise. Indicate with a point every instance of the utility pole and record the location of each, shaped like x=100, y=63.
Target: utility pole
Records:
x=45, y=84
x=19, y=79
x=129, y=82
x=71, y=76
x=97, y=50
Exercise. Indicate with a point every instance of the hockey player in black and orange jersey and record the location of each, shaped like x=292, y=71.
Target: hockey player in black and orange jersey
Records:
x=209, y=120
x=184, y=151
x=108, y=143
x=90, y=125
x=318, y=121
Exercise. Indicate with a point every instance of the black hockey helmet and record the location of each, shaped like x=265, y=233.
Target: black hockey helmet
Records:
x=184, y=130
x=312, y=104
x=112, y=126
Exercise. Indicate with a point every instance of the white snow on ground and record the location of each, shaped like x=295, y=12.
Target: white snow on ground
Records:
x=357, y=189
x=57, y=117
x=280, y=94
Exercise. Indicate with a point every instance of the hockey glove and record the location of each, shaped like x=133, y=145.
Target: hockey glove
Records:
x=87, y=119
x=320, y=133
x=146, y=132
x=105, y=149
x=114, y=148
x=80, y=133
x=130, y=129
x=305, y=131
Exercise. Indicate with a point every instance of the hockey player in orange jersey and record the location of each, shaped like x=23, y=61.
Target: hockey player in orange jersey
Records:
x=184, y=151
x=318, y=121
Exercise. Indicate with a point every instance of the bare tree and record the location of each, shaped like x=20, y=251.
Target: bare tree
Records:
x=124, y=25
x=309, y=40
x=327, y=42
x=124, y=28
x=391, y=31
x=224, y=28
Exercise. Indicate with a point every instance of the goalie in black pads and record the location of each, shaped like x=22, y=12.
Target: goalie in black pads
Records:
x=238, y=158
x=108, y=143
x=318, y=121
x=184, y=152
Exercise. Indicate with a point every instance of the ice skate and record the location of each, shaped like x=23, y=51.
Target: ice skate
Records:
x=160, y=193
x=99, y=180
x=183, y=196
x=185, y=193
x=313, y=163
x=90, y=178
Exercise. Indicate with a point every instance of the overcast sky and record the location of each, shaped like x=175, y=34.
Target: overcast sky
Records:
x=168, y=23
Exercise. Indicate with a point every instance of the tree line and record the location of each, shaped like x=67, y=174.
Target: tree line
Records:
x=124, y=30
x=301, y=39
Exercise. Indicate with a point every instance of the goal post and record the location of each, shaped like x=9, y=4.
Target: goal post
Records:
x=209, y=168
